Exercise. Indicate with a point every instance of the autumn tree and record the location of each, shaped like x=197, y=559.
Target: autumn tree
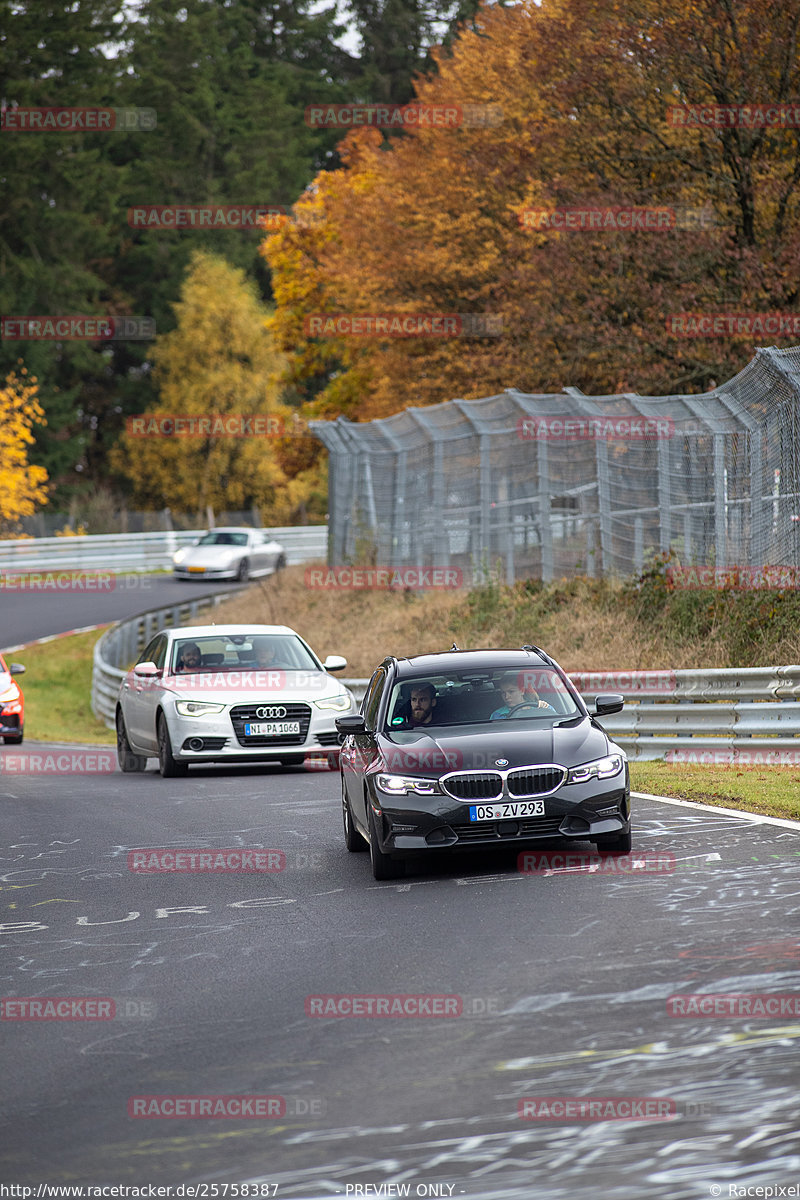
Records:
x=434, y=223
x=219, y=361
x=22, y=485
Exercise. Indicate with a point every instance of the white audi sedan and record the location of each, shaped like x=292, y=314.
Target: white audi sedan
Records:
x=230, y=694
x=229, y=553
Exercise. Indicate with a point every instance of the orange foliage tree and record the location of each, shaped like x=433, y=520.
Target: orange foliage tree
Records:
x=434, y=221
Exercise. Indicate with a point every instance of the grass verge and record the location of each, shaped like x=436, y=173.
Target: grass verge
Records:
x=57, y=686
x=773, y=791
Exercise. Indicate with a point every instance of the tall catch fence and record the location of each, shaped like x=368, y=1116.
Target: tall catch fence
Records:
x=563, y=485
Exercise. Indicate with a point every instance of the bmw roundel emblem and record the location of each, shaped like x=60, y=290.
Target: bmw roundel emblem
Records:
x=501, y=762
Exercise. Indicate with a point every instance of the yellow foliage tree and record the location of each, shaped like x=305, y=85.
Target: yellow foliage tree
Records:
x=22, y=485
x=218, y=362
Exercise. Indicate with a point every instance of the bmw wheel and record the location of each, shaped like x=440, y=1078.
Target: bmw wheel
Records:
x=615, y=845
x=383, y=865
x=352, y=838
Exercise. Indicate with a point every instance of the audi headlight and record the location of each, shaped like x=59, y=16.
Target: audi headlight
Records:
x=337, y=703
x=399, y=785
x=601, y=768
x=197, y=708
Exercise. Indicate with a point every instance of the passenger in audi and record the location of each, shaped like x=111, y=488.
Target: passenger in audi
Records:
x=189, y=658
x=268, y=654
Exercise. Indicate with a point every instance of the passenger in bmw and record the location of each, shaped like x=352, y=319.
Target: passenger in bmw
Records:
x=421, y=704
x=514, y=695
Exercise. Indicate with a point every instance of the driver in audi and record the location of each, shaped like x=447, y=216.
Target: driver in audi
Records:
x=514, y=695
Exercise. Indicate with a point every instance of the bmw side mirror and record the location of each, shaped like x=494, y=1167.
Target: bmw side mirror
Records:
x=354, y=723
x=609, y=702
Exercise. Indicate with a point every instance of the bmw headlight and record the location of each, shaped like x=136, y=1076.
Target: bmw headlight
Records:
x=399, y=785
x=197, y=708
x=601, y=768
x=336, y=703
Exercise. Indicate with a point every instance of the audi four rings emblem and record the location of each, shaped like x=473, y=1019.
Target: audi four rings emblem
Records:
x=272, y=712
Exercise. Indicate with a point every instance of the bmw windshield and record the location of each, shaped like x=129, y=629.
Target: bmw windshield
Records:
x=475, y=697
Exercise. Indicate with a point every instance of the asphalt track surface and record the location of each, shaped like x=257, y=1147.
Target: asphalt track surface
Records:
x=25, y=616
x=563, y=981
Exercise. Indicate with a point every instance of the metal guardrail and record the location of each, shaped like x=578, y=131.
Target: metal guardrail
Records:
x=123, y=642
x=749, y=714
x=140, y=551
x=730, y=714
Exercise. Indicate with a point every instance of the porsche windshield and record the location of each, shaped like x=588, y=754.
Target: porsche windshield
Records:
x=533, y=694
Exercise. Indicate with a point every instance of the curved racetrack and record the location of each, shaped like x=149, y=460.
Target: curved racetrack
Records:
x=563, y=981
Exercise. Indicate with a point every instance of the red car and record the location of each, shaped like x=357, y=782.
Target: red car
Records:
x=12, y=703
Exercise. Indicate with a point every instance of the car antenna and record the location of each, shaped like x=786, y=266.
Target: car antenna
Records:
x=527, y=647
x=454, y=647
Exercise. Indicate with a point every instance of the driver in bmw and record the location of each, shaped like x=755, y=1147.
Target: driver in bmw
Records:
x=513, y=695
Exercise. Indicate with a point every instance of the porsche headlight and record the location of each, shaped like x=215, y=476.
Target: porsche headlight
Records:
x=197, y=708
x=335, y=703
x=180, y=555
x=601, y=768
